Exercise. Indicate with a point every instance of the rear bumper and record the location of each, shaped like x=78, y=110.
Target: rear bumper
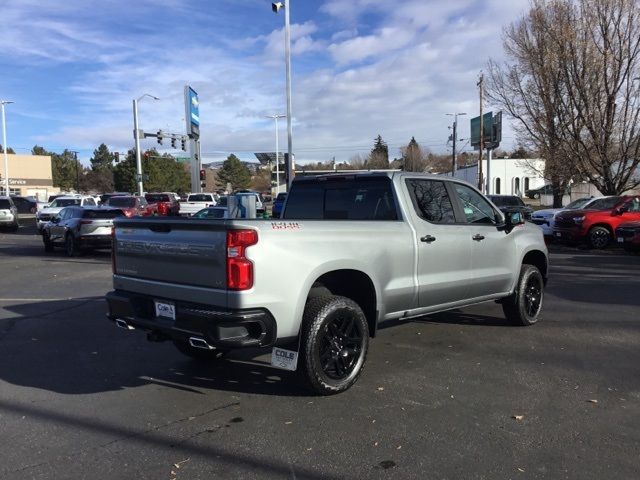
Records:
x=95, y=241
x=222, y=328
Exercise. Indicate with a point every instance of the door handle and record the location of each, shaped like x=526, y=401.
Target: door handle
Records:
x=428, y=239
x=478, y=238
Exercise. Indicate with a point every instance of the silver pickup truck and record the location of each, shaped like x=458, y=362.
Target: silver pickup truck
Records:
x=349, y=252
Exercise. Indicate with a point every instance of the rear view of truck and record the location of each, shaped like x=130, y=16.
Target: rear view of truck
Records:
x=172, y=279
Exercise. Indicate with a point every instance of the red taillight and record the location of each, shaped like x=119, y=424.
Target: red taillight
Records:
x=163, y=208
x=239, y=267
x=129, y=213
x=85, y=222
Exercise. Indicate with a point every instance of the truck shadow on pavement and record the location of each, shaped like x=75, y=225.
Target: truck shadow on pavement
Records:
x=69, y=347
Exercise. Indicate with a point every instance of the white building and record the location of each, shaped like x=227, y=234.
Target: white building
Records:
x=509, y=176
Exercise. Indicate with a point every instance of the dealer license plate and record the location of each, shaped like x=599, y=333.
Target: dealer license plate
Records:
x=165, y=310
x=558, y=234
x=620, y=240
x=284, y=359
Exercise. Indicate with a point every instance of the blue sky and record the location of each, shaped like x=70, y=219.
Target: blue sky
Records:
x=360, y=68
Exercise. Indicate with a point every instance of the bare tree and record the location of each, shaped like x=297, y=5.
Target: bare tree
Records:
x=358, y=162
x=601, y=66
x=529, y=86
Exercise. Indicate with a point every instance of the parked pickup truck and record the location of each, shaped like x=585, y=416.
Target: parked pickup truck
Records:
x=349, y=252
x=196, y=202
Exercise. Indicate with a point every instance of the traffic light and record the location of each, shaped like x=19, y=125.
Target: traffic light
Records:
x=117, y=156
x=159, y=135
x=203, y=174
x=203, y=184
x=183, y=141
x=173, y=142
x=146, y=155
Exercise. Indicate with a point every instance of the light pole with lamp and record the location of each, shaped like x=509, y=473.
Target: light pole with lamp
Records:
x=290, y=165
x=4, y=146
x=454, y=165
x=276, y=117
x=136, y=136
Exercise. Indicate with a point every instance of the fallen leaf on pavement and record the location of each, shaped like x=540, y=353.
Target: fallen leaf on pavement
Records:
x=517, y=417
x=592, y=400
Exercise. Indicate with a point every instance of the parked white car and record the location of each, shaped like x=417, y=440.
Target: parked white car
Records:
x=545, y=219
x=50, y=211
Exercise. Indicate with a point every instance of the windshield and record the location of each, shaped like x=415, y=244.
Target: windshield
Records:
x=200, y=198
x=281, y=197
x=64, y=202
x=121, y=202
x=157, y=197
x=211, y=213
x=102, y=213
x=4, y=204
x=581, y=202
x=604, y=203
x=506, y=201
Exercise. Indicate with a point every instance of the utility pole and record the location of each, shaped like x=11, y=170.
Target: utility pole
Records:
x=75, y=158
x=5, y=147
x=454, y=159
x=480, y=85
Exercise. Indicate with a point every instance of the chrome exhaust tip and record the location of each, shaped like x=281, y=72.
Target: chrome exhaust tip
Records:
x=123, y=324
x=197, y=342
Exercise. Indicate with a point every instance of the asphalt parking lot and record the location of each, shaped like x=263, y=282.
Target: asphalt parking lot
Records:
x=451, y=396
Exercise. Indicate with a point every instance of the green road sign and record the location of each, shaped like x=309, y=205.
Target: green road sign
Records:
x=183, y=159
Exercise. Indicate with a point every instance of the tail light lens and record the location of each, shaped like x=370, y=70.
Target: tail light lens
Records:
x=239, y=267
x=86, y=222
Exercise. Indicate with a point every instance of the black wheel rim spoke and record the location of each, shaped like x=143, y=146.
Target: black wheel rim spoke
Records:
x=340, y=347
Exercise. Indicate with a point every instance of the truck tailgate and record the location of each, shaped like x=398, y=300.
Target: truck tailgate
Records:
x=176, y=251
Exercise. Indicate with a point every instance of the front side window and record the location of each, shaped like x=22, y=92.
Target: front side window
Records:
x=431, y=200
x=476, y=208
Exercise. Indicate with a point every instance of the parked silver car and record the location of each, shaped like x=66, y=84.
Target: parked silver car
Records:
x=8, y=214
x=76, y=228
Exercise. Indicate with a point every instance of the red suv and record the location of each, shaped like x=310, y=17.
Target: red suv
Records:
x=133, y=205
x=166, y=203
x=596, y=227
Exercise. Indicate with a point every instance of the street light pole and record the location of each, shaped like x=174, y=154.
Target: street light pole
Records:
x=454, y=165
x=4, y=146
x=136, y=136
x=276, y=117
x=287, y=53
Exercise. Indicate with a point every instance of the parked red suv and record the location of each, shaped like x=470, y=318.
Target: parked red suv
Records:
x=133, y=205
x=596, y=227
x=166, y=203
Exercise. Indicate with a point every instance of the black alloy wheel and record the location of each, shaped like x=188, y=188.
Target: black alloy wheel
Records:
x=524, y=305
x=334, y=343
x=599, y=237
x=340, y=346
x=70, y=245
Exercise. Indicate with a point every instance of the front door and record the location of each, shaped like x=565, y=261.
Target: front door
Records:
x=493, y=252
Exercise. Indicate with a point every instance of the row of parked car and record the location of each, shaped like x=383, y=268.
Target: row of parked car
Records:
x=595, y=221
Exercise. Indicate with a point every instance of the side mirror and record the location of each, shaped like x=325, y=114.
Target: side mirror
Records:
x=511, y=220
x=55, y=220
x=621, y=210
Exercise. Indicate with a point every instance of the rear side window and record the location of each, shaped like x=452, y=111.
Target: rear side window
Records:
x=605, y=203
x=122, y=202
x=102, y=214
x=342, y=199
x=431, y=200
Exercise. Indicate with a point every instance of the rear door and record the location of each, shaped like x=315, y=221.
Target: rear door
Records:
x=444, y=255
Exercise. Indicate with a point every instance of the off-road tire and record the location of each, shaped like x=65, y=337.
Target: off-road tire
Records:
x=523, y=306
x=599, y=237
x=322, y=316
x=199, y=353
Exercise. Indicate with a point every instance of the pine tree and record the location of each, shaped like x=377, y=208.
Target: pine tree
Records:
x=379, y=156
x=235, y=173
x=102, y=158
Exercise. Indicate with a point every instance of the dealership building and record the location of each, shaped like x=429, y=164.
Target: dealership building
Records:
x=28, y=175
